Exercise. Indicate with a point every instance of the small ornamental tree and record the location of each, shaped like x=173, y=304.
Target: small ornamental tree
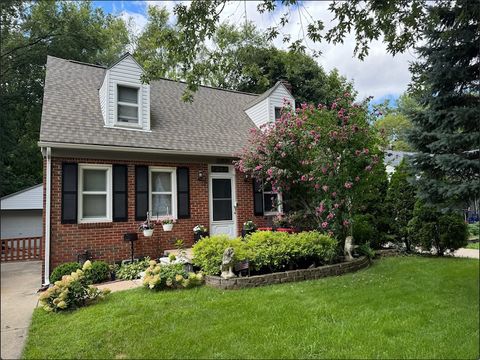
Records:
x=319, y=156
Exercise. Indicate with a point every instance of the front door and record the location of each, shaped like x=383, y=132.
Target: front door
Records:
x=222, y=200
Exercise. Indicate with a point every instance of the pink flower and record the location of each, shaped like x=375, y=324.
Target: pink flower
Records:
x=330, y=216
x=336, y=206
x=346, y=222
x=317, y=186
x=324, y=224
x=334, y=105
x=368, y=168
x=330, y=233
x=303, y=178
x=259, y=167
x=357, y=152
x=357, y=178
x=334, y=194
x=348, y=185
x=270, y=172
x=366, y=151
x=325, y=188
x=320, y=209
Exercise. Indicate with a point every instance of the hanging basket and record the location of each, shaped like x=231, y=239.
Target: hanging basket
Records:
x=167, y=227
x=148, y=232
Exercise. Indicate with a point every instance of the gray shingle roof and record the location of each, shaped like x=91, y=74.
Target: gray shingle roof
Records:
x=215, y=122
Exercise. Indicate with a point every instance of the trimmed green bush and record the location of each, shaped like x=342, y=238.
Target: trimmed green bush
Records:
x=208, y=252
x=64, y=269
x=474, y=229
x=98, y=272
x=266, y=251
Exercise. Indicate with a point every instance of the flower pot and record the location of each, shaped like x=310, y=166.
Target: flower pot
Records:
x=199, y=235
x=287, y=230
x=265, y=229
x=247, y=232
x=148, y=232
x=167, y=227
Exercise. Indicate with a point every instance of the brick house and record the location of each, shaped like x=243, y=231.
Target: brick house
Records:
x=115, y=148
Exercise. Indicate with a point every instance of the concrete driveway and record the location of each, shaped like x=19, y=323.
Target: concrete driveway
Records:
x=19, y=284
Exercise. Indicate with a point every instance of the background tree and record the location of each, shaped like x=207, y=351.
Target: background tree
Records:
x=398, y=23
x=446, y=130
x=431, y=229
x=400, y=201
x=29, y=32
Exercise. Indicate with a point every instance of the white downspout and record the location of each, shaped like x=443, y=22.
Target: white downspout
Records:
x=48, y=194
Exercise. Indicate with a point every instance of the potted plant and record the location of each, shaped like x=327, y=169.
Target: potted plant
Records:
x=167, y=224
x=199, y=231
x=281, y=223
x=147, y=227
x=248, y=228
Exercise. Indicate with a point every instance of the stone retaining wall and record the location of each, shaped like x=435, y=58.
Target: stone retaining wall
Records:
x=287, y=276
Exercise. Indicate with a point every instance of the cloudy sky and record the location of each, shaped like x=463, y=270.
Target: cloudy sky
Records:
x=380, y=74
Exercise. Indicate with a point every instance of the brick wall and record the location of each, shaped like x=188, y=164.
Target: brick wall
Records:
x=105, y=240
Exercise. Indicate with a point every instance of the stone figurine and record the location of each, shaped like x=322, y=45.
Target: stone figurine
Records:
x=227, y=264
x=348, y=248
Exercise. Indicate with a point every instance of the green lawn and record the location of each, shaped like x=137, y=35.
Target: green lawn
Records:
x=473, y=246
x=408, y=307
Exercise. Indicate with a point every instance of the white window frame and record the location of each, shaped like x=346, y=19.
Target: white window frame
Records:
x=173, y=192
x=108, y=192
x=279, y=199
x=116, y=84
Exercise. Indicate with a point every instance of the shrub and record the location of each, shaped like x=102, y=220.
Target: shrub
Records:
x=99, y=272
x=64, y=269
x=266, y=250
x=363, y=229
x=208, y=252
x=132, y=271
x=71, y=291
x=158, y=277
x=366, y=250
x=474, y=229
x=430, y=229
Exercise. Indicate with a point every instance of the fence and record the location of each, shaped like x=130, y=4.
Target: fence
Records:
x=21, y=249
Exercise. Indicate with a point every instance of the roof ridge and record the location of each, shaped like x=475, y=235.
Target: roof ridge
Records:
x=160, y=78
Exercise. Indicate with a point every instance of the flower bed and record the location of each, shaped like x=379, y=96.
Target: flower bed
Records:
x=287, y=276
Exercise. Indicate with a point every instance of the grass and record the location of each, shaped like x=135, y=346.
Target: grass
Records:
x=408, y=307
x=473, y=246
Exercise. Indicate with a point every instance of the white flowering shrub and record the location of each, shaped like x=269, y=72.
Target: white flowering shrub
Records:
x=71, y=291
x=158, y=277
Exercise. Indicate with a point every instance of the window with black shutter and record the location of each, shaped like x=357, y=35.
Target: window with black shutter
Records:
x=257, y=198
x=69, y=193
x=183, y=193
x=141, y=192
x=120, y=193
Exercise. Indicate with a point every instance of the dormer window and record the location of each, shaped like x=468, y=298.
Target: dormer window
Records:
x=127, y=105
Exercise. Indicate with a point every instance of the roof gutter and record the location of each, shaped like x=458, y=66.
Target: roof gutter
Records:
x=61, y=145
x=48, y=187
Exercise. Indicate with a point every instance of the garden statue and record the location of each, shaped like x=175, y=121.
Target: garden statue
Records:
x=227, y=264
x=348, y=248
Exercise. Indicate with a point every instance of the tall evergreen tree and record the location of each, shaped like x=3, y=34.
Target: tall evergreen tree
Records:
x=400, y=201
x=446, y=132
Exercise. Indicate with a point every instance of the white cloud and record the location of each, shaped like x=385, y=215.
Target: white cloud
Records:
x=380, y=74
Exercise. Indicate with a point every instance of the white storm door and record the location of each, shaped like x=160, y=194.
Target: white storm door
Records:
x=222, y=200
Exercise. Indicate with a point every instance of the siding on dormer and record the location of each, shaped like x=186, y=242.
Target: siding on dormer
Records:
x=259, y=113
x=276, y=100
x=126, y=72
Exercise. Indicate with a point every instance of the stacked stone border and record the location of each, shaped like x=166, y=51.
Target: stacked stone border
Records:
x=287, y=276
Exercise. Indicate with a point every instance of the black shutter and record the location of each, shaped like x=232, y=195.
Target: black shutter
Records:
x=69, y=193
x=257, y=198
x=286, y=202
x=120, y=193
x=183, y=193
x=141, y=192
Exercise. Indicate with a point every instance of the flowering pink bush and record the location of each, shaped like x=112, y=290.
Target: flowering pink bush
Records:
x=318, y=156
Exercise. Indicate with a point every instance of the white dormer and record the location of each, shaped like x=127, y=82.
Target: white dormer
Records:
x=124, y=100
x=266, y=108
